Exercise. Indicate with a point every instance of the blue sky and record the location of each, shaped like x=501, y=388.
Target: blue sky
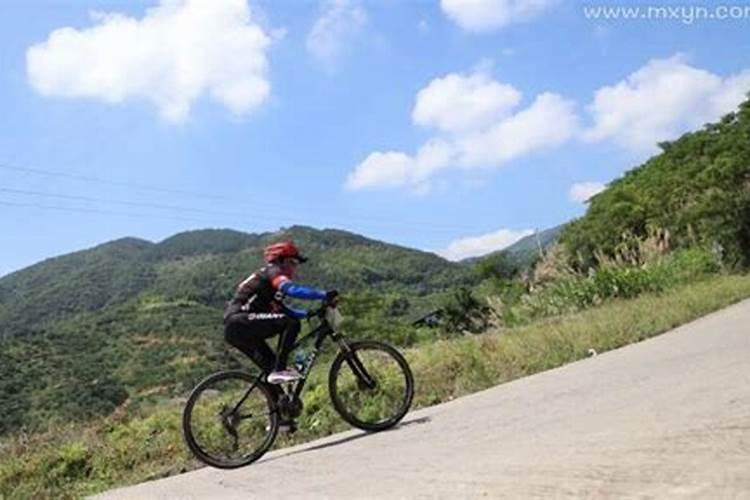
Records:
x=454, y=126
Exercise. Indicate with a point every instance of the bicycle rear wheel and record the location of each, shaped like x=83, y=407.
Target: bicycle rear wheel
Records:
x=230, y=420
x=371, y=385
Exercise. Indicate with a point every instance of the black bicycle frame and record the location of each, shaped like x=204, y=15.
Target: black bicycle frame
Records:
x=321, y=332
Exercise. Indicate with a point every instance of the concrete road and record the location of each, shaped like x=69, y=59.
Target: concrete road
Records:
x=666, y=418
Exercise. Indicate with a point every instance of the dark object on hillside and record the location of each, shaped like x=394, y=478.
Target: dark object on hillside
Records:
x=463, y=313
x=430, y=320
x=466, y=313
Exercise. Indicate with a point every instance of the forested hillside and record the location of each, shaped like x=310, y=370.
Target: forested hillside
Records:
x=83, y=281
x=697, y=189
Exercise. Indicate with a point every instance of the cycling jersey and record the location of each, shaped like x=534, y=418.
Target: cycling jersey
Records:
x=264, y=292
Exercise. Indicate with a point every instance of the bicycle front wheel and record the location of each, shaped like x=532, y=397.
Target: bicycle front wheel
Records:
x=230, y=420
x=371, y=385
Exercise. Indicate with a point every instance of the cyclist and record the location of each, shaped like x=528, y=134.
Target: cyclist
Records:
x=257, y=311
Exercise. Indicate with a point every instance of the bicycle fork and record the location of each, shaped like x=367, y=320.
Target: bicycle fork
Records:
x=364, y=380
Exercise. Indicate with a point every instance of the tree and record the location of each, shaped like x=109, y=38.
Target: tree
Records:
x=465, y=313
x=498, y=266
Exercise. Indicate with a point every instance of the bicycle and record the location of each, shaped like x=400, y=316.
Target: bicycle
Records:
x=364, y=380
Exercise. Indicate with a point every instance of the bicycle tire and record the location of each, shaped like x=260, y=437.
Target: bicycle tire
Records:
x=356, y=350
x=271, y=428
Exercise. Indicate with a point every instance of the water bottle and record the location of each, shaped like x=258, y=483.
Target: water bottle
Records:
x=300, y=361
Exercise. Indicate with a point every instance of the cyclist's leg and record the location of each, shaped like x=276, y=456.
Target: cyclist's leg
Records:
x=244, y=337
x=290, y=330
x=261, y=326
x=255, y=327
x=240, y=335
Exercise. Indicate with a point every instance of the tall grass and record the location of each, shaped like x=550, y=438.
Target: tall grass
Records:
x=555, y=288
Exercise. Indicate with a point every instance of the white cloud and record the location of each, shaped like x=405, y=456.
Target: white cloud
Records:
x=581, y=192
x=548, y=122
x=458, y=102
x=388, y=169
x=340, y=21
x=179, y=51
x=395, y=169
x=475, y=246
x=478, y=125
x=488, y=15
x=662, y=100
x=480, y=130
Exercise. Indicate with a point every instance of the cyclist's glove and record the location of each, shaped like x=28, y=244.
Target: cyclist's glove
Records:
x=332, y=297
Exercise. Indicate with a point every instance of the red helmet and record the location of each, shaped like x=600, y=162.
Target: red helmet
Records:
x=281, y=250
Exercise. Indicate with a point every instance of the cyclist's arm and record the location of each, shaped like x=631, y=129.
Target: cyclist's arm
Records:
x=294, y=312
x=296, y=291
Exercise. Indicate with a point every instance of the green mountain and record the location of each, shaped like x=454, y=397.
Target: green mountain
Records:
x=83, y=281
x=136, y=321
x=204, y=266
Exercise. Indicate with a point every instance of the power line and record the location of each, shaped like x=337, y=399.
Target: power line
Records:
x=88, y=178
x=132, y=185
x=97, y=211
x=198, y=211
x=223, y=198
x=93, y=211
x=116, y=202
